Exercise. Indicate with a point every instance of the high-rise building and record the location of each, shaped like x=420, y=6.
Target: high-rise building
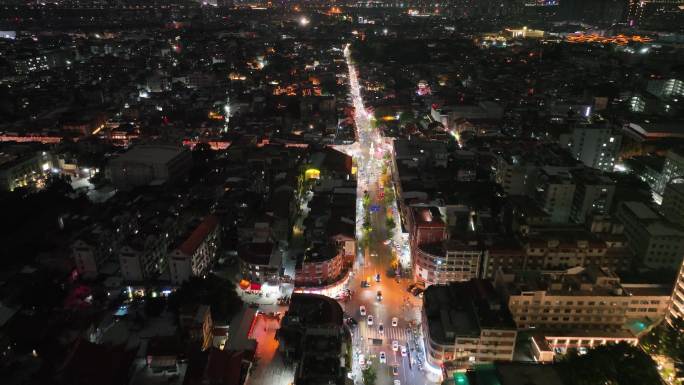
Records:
x=593, y=194
x=672, y=169
x=554, y=192
x=596, y=146
x=673, y=203
x=657, y=242
x=677, y=301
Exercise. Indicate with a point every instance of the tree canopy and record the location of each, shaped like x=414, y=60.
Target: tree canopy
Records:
x=618, y=364
x=216, y=292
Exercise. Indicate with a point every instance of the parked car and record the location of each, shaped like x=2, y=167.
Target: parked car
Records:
x=383, y=358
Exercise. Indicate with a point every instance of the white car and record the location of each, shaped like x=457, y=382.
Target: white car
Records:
x=395, y=345
x=403, y=351
x=362, y=359
x=362, y=310
x=369, y=320
x=397, y=382
x=395, y=321
x=383, y=358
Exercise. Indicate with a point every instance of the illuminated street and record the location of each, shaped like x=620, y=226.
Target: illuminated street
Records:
x=377, y=259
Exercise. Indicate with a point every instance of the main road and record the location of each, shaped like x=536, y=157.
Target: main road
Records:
x=376, y=260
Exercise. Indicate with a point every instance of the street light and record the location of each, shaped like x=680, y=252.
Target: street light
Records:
x=303, y=21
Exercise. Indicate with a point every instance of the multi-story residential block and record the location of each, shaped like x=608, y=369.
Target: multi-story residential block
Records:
x=518, y=163
x=596, y=146
x=506, y=254
x=656, y=242
x=547, y=345
x=88, y=255
x=666, y=88
x=195, y=254
x=593, y=194
x=144, y=257
x=555, y=192
x=149, y=164
x=673, y=169
x=579, y=298
x=259, y=262
x=448, y=261
x=465, y=323
x=673, y=203
x=677, y=301
x=319, y=265
x=24, y=168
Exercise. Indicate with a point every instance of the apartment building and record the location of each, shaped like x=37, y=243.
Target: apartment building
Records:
x=677, y=301
x=579, y=298
x=448, y=261
x=259, y=262
x=555, y=192
x=673, y=203
x=593, y=194
x=657, y=242
x=196, y=251
x=465, y=323
x=320, y=264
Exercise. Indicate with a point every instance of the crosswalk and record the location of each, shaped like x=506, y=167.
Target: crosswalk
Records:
x=390, y=333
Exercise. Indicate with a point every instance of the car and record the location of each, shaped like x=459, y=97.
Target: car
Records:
x=362, y=359
x=395, y=321
x=403, y=351
x=362, y=310
x=383, y=358
x=397, y=382
x=377, y=277
x=369, y=320
x=395, y=345
x=374, y=254
x=381, y=329
x=395, y=370
x=365, y=283
x=379, y=296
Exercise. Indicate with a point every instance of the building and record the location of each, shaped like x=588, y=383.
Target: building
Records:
x=22, y=167
x=673, y=169
x=426, y=226
x=562, y=248
x=657, y=242
x=312, y=335
x=665, y=88
x=88, y=257
x=448, y=261
x=449, y=115
x=546, y=346
x=673, y=203
x=579, y=299
x=195, y=254
x=597, y=146
x=555, y=192
x=677, y=301
x=144, y=258
x=465, y=323
x=593, y=194
x=260, y=262
x=149, y=165
x=504, y=254
x=321, y=264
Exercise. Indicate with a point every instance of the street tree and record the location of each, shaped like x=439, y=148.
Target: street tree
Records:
x=369, y=375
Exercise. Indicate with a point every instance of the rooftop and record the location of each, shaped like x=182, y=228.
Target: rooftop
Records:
x=463, y=309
